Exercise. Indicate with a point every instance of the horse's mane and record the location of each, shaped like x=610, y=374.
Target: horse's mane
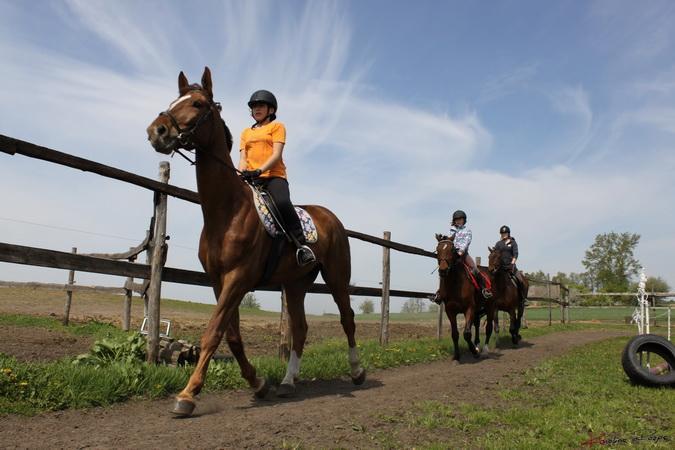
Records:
x=228, y=134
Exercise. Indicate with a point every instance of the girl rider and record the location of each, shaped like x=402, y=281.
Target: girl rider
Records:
x=461, y=236
x=509, y=248
x=462, y=240
x=261, y=147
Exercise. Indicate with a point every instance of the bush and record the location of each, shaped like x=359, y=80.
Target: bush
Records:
x=367, y=306
x=250, y=301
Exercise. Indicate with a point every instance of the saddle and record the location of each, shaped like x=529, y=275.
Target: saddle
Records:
x=271, y=220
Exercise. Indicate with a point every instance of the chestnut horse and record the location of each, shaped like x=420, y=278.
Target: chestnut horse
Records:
x=506, y=294
x=459, y=295
x=234, y=246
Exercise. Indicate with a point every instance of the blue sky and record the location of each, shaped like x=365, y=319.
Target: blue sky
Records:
x=556, y=118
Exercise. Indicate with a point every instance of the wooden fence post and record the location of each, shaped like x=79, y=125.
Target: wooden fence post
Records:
x=69, y=294
x=285, y=335
x=550, y=304
x=126, y=310
x=562, y=306
x=148, y=261
x=386, y=276
x=158, y=260
x=478, y=260
x=439, y=327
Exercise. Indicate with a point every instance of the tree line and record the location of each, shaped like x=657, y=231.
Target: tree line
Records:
x=611, y=266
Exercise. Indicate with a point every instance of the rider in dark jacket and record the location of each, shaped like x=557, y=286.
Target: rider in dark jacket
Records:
x=509, y=248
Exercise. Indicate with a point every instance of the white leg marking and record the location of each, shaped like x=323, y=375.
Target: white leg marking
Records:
x=293, y=369
x=486, y=349
x=354, y=362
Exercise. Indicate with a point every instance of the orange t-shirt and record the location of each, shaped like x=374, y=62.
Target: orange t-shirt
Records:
x=258, y=145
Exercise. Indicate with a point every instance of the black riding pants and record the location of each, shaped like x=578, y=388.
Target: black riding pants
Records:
x=278, y=188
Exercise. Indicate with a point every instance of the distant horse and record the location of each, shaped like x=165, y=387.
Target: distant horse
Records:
x=459, y=295
x=234, y=246
x=506, y=294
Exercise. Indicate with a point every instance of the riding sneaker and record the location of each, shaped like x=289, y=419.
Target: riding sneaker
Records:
x=304, y=255
x=436, y=298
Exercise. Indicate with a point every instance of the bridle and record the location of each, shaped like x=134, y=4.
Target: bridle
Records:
x=444, y=273
x=185, y=137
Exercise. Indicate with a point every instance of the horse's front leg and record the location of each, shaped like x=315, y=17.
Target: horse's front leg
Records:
x=476, y=329
x=468, y=322
x=454, y=332
x=488, y=329
x=226, y=309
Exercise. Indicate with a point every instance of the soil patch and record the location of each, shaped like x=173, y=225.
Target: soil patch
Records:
x=41, y=344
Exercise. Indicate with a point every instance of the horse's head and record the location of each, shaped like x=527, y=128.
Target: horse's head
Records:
x=494, y=259
x=445, y=254
x=189, y=121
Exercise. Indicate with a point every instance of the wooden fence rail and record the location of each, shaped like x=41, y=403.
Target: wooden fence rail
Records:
x=19, y=254
x=111, y=264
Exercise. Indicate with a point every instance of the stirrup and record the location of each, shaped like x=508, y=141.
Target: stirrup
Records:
x=486, y=293
x=304, y=255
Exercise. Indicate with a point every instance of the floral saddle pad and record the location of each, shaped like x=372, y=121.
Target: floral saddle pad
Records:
x=267, y=219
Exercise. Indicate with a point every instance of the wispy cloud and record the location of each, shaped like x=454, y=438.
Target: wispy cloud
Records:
x=377, y=162
x=508, y=83
x=575, y=102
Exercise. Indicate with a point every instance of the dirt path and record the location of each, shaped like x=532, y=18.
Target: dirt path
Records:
x=41, y=344
x=325, y=414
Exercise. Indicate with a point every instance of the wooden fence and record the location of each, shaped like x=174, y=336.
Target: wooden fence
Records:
x=154, y=272
x=155, y=244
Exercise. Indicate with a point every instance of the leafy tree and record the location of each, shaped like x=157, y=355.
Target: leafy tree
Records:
x=538, y=275
x=610, y=261
x=577, y=281
x=367, y=306
x=414, y=306
x=433, y=308
x=656, y=284
x=250, y=301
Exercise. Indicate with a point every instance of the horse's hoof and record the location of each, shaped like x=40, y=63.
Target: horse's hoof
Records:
x=262, y=390
x=454, y=362
x=183, y=408
x=286, y=391
x=360, y=378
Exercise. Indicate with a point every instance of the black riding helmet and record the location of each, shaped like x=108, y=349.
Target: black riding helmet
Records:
x=505, y=229
x=263, y=96
x=459, y=214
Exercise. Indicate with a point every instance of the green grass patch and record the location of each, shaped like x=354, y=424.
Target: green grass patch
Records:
x=563, y=401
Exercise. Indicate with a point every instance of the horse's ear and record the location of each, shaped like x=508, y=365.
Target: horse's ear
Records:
x=490, y=249
x=207, y=84
x=183, y=85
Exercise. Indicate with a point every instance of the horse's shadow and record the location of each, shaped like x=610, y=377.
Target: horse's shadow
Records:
x=309, y=389
x=505, y=344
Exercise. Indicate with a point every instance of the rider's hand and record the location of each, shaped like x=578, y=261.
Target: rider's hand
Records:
x=250, y=174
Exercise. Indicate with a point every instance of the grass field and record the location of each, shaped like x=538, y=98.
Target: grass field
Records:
x=568, y=402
